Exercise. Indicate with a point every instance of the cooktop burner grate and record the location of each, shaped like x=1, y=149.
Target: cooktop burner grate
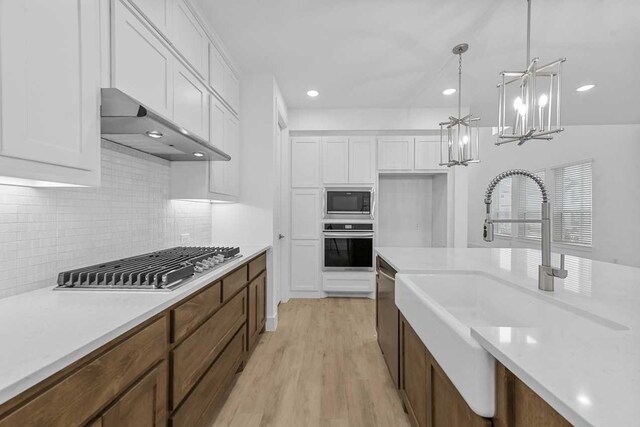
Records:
x=163, y=269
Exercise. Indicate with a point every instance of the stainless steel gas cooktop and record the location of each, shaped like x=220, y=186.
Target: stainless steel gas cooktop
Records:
x=161, y=270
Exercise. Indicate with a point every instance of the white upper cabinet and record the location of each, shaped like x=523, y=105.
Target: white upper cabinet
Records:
x=190, y=102
x=188, y=37
x=50, y=91
x=142, y=66
x=362, y=160
x=216, y=70
x=305, y=162
x=395, y=153
x=216, y=126
x=348, y=160
x=231, y=91
x=335, y=155
x=231, y=147
x=156, y=11
x=427, y=153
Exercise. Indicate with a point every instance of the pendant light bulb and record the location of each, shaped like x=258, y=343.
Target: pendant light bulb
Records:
x=543, y=100
x=517, y=103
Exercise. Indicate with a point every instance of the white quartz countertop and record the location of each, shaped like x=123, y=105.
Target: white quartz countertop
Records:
x=43, y=331
x=590, y=376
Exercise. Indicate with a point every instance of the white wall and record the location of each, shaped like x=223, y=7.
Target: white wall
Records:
x=615, y=150
x=44, y=231
x=251, y=220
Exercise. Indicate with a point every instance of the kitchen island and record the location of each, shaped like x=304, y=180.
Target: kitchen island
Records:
x=590, y=376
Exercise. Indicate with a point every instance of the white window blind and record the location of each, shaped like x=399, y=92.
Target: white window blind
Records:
x=572, y=210
x=529, y=206
x=501, y=206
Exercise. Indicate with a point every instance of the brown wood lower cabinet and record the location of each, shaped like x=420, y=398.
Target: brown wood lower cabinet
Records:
x=427, y=393
x=257, y=308
x=144, y=405
x=173, y=369
x=519, y=406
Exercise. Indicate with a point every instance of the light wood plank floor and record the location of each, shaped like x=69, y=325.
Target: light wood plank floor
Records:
x=322, y=367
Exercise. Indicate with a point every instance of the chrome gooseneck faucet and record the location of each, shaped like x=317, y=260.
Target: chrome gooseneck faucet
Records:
x=546, y=272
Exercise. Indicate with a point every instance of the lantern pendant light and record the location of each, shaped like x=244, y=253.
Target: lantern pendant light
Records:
x=459, y=136
x=529, y=101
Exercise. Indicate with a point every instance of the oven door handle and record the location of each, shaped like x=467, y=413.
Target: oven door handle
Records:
x=349, y=235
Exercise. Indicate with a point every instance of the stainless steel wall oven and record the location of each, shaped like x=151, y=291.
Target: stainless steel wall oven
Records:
x=347, y=247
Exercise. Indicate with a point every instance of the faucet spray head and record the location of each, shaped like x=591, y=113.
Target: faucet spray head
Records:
x=487, y=233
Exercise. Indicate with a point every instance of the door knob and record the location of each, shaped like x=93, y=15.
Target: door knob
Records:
x=280, y=236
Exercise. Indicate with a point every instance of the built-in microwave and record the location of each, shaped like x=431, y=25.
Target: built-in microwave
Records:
x=352, y=203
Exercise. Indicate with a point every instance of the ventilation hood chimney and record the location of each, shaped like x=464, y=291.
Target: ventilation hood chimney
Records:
x=128, y=122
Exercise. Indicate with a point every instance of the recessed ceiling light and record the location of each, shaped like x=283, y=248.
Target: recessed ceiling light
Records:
x=198, y=154
x=313, y=93
x=154, y=134
x=585, y=88
x=449, y=91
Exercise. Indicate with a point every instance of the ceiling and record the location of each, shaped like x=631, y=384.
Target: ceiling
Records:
x=397, y=53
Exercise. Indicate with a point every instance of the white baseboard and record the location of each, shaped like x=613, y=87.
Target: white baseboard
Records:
x=272, y=323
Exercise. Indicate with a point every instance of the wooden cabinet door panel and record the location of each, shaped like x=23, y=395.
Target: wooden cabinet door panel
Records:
x=233, y=283
x=414, y=369
x=145, y=405
x=257, y=266
x=195, y=354
x=262, y=301
x=80, y=395
x=252, y=313
x=199, y=407
x=142, y=66
x=50, y=82
x=186, y=317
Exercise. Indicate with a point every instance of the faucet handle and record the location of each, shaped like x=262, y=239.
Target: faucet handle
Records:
x=560, y=272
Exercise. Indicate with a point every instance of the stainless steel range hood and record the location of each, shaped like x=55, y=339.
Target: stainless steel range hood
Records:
x=126, y=121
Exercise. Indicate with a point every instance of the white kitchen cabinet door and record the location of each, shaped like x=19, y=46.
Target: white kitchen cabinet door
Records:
x=50, y=90
x=362, y=165
x=188, y=37
x=156, y=11
x=348, y=282
x=216, y=132
x=216, y=70
x=395, y=153
x=305, y=265
x=335, y=160
x=231, y=91
x=190, y=102
x=231, y=146
x=142, y=66
x=305, y=162
x=427, y=153
x=305, y=214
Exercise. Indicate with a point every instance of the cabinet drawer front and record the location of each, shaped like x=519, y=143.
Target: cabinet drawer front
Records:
x=257, y=265
x=79, y=396
x=192, y=358
x=233, y=283
x=193, y=312
x=197, y=409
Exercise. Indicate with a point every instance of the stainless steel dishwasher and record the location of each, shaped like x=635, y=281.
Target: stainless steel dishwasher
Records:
x=387, y=317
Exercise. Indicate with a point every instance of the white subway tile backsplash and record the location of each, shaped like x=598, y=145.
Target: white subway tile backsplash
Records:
x=45, y=231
